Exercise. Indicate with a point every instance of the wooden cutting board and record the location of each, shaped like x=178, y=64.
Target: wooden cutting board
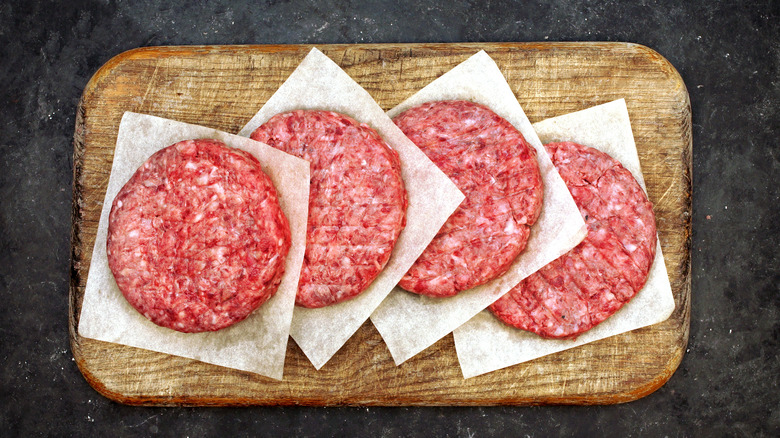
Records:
x=223, y=86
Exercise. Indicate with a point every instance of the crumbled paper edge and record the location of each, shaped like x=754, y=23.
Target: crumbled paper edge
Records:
x=229, y=347
x=320, y=333
x=410, y=323
x=485, y=344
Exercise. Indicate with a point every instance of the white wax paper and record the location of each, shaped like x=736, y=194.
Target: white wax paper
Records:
x=257, y=344
x=408, y=322
x=486, y=344
x=319, y=84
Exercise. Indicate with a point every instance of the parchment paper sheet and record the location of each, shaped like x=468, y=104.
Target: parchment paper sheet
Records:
x=318, y=83
x=486, y=344
x=408, y=322
x=257, y=344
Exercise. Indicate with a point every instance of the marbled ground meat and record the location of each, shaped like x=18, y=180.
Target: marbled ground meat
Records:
x=591, y=282
x=496, y=169
x=357, y=201
x=196, y=238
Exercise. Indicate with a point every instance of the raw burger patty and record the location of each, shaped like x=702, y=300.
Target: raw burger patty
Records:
x=491, y=163
x=357, y=201
x=196, y=238
x=595, y=279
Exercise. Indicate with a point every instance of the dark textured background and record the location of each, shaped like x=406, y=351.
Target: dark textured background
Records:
x=727, y=52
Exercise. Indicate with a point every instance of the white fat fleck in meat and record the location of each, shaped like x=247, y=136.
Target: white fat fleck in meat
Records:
x=511, y=227
x=218, y=254
x=482, y=220
x=213, y=204
x=449, y=243
x=438, y=281
x=219, y=189
x=601, y=234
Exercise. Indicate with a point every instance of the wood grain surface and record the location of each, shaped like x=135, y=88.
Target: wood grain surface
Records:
x=223, y=86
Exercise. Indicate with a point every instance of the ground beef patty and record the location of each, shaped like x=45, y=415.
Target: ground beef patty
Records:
x=196, y=238
x=595, y=279
x=357, y=201
x=491, y=163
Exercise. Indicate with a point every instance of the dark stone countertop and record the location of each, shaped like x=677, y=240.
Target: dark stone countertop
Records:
x=728, y=53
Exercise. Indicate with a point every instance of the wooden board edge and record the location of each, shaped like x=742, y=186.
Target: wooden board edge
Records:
x=76, y=253
x=683, y=308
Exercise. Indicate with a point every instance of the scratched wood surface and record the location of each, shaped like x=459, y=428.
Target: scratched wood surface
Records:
x=223, y=86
